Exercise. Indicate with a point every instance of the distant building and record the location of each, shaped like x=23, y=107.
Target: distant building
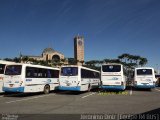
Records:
x=79, y=49
x=47, y=54
x=50, y=54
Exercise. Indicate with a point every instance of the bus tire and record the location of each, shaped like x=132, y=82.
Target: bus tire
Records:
x=46, y=89
x=89, y=88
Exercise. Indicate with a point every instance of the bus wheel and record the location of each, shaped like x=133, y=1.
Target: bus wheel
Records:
x=89, y=88
x=46, y=89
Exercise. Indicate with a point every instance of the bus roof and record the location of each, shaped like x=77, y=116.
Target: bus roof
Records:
x=80, y=67
x=31, y=65
x=6, y=62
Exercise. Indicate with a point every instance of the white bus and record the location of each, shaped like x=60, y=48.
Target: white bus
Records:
x=144, y=77
x=78, y=78
x=112, y=77
x=30, y=78
x=2, y=67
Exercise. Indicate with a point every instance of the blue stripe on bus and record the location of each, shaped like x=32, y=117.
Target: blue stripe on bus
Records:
x=113, y=87
x=144, y=86
x=76, y=88
x=17, y=89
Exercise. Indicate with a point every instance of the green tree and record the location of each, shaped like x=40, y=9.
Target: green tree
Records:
x=25, y=58
x=8, y=59
x=124, y=57
x=143, y=61
x=16, y=59
x=72, y=61
x=112, y=61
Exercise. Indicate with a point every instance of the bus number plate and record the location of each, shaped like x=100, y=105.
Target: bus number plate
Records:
x=11, y=85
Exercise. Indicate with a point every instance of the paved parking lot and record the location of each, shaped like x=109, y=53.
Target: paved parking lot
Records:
x=75, y=103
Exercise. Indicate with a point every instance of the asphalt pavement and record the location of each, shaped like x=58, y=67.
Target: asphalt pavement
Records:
x=82, y=105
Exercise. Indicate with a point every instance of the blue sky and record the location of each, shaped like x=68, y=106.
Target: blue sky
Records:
x=109, y=27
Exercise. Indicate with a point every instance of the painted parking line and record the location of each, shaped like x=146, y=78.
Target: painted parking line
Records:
x=28, y=98
x=88, y=95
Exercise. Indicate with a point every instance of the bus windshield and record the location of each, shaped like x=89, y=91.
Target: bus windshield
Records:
x=13, y=70
x=2, y=66
x=69, y=71
x=144, y=72
x=111, y=68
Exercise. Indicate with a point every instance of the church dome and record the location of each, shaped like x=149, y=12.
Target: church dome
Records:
x=48, y=50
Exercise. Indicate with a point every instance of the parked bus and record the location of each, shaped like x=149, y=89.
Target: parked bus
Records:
x=78, y=78
x=113, y=77
x=144, y=78
x=30, y=78
x=2, y=67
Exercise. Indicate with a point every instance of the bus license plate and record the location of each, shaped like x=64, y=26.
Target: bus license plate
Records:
x=145, y=83
x=117, y=82
x=11, y=85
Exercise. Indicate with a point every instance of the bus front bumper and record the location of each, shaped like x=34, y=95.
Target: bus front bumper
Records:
x=113, y=87
x=16, y=89
x=75, y=88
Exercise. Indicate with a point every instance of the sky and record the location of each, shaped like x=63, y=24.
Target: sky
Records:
x=110, y=27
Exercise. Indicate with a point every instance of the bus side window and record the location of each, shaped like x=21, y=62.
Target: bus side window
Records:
x=44, y=73
x=82, y=73
x=40, y=73
x=87, y=73
x=91, y=74
x=52, y=73
x=35, y=74
x=2, y=66
x=29, y=72
x=55, y=73
x=48, y=74
x=97, y=75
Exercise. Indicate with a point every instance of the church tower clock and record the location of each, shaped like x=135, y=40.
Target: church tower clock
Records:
x=79, y=49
